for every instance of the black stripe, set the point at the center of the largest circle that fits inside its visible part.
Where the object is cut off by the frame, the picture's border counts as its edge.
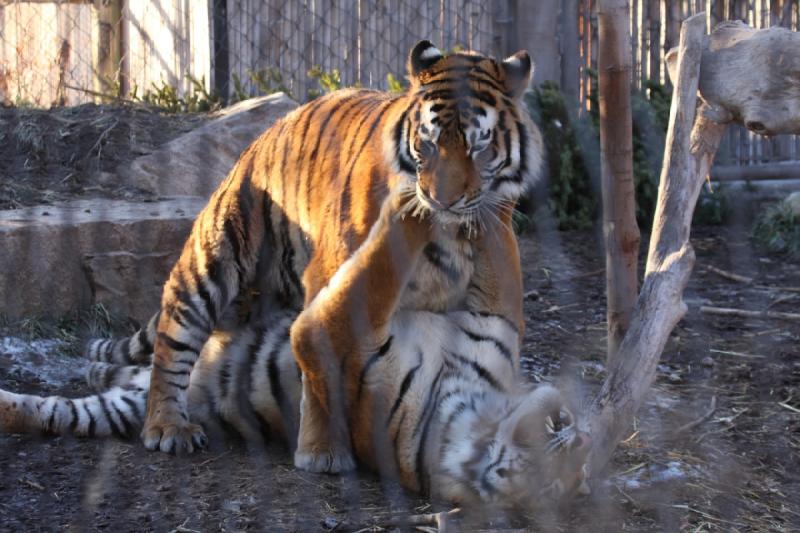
(275, 134)
(134, 408)
(92, 421)
(460, 409)
(309, 114)
(52, 418)
(439, 258)
(523, 142)
(224, 378)
(507, 141)
(126, 352)
(396, 438)
(498, 181)
(233, 236)
(482, 372)
(103, 351)
(470, 78)
(253, 350)
(171, 372)
(428, 400)
(129, 429)
(404, 386)
(439, 94)
(184, 296)
(216, 273)
(273, 372)
(484, 314)
(73, 423)
(177, 385)
(202, 291)
(422, 476)
(111, 375)
(340, 113)
(144, 341)
(351, 161)
(187, 315)
(115, 430)
(288, 252)
(488, 487)
(176, 345)
(371, 361)
(502, 348)
(401, 145)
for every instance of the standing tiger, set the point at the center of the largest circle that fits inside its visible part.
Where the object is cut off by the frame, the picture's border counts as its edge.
(304, 197)
(437, 404)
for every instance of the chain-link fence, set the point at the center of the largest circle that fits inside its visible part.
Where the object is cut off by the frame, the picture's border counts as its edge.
(71, 52)
(67, 52)
(296, 46)
(45, 50)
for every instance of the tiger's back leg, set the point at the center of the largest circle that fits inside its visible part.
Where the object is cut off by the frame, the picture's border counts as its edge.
(218, 261)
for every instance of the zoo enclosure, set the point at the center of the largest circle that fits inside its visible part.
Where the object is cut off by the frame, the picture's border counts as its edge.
(69, 52)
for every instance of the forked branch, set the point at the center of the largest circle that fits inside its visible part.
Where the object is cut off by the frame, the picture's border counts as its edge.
(688, 156)
(741, 74)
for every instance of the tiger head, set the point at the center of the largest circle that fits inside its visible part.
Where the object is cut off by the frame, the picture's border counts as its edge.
(464, 141)
(536, 456)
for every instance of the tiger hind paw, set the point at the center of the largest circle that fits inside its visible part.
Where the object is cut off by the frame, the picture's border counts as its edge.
(330, 461)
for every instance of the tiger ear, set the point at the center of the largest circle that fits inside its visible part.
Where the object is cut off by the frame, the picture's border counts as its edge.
(518, 69)
(423, 56)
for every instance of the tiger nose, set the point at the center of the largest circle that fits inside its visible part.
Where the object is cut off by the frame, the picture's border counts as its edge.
(438, 204)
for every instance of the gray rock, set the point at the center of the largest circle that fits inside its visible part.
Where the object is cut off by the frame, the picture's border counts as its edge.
(196, 162)
(118, 253)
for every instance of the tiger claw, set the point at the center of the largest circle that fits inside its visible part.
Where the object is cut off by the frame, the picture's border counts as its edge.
(174, 438)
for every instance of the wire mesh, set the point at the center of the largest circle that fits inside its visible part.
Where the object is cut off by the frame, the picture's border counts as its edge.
(51, 52)
(44, 50)
(298, 46)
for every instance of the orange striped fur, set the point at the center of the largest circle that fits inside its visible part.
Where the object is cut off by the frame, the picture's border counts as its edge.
(455, 152)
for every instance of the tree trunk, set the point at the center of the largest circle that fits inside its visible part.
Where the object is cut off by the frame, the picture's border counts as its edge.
(655, 40)
(687, 160)
(616, 152)
(537, 27)
(570, 58)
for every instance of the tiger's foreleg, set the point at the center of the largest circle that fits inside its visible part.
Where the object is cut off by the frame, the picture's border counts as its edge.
(496, 285)
(218, 261)
(347, 318)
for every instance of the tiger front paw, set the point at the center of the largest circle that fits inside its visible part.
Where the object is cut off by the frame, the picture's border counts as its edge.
(327, 459)
(173, 438)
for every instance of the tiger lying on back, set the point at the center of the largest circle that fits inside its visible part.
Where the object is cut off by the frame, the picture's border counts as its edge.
(304, 197)
(437, 404)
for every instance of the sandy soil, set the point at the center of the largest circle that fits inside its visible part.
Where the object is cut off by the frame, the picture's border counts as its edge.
(733, 469)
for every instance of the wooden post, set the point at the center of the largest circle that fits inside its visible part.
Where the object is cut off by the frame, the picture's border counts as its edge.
(570, 58)
(219, 15)
(537, 24)
(616, 153)
(688, 157)
(655, 39)
(108, 54)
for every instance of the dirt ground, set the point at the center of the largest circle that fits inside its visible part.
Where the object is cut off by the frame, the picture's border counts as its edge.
(685, 467)
(716, 447)
(55, 154)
